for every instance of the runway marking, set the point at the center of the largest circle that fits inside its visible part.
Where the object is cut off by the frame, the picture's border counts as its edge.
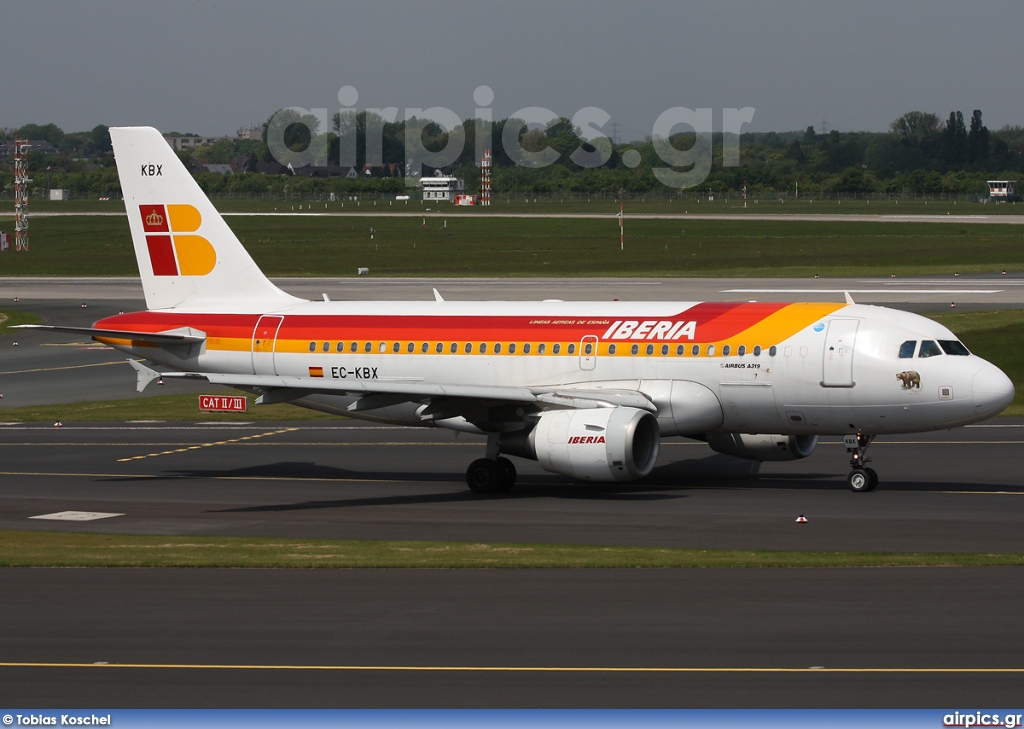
(203, 426)
(58, 369)
(996, 425)
(861, 291)
(183, 477)
(307, 444)
(207, 445)
(507, 669)
(76, 516)
(987, 493)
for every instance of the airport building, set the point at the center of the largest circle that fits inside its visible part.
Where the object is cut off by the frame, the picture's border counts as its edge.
(190, 141)
(441, 187)
(1003, 191)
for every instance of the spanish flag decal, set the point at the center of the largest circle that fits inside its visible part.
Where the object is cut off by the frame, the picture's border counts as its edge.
(316, 371)
(174, 250)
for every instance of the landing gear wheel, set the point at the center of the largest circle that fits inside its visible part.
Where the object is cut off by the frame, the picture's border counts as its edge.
(485, 476)
(508, 473)
(873, 475)
(862, 479)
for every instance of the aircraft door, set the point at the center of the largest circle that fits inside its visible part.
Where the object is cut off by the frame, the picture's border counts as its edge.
(837, 363)
(588, 352)
(264, 340)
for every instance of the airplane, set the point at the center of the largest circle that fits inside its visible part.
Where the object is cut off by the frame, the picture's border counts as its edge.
(587, 389)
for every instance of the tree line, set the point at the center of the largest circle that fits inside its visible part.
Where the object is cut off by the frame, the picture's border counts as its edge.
(919, 154)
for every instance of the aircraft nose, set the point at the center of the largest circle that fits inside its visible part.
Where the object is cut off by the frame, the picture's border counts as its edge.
(993, 391)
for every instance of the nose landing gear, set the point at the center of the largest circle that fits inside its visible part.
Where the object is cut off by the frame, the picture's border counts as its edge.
(860, 478)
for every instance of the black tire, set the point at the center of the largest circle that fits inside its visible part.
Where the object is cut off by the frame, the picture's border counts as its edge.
(859, 480)
(873, 476)
(484, 476)
(508, 473)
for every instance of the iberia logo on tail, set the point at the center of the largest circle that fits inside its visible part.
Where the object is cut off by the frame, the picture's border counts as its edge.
(174, 250)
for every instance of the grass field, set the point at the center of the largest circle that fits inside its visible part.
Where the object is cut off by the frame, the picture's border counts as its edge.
(661, 202)
(161, 407)
(10, 319)
(63, 549)
(464, 245)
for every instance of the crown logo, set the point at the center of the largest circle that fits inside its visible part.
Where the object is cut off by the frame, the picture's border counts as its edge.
(154, 219)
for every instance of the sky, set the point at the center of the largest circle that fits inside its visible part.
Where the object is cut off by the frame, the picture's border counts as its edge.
(213, 66)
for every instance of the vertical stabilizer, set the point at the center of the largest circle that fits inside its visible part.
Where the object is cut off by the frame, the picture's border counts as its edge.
(188, 256)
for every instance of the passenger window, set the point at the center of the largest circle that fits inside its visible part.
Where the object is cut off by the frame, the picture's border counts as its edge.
(497, 348)
(382, 347)
(424, 348)
(483, 348)
(354, 347)
(540, 348)
(588, 348)
(410, 348)
(635, 349)
(512, 348)
(757, 350)
(726, 350)
(695, 350)
(439, 348)
(327, 346)
(341, 346)
(469, 348)
(558, 348)
(368, 347)
(526, 348)
(454, 348)
(742, 350)
(929, 349)
(611, 348)
(711, 350)
(681, 350)
(954, 347)
(907, 349)
(312, 346)
(650, 349)
(664, 349)
(572, 349)
(396, 347)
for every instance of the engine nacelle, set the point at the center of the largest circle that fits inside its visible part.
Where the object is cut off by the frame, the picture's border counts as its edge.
(760, 447)
(595, 444)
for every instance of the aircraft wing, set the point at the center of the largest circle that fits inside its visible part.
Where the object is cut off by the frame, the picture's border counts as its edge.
(277, 388)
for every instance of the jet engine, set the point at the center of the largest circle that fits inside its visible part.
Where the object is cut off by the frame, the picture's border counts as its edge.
(593, 444)
(762, 447)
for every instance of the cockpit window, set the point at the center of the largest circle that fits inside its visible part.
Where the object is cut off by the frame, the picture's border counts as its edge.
(929, 349)
(954, 347)
(907, 349)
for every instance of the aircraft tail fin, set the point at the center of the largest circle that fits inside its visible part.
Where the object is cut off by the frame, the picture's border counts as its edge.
(188, 256)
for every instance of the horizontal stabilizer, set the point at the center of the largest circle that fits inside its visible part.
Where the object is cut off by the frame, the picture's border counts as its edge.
(174, 336)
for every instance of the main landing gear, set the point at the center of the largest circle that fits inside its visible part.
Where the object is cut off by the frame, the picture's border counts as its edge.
(860, 478)
(493, 474)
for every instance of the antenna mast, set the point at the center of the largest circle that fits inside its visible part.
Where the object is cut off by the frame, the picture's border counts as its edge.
(485, 178)
(21, 183)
